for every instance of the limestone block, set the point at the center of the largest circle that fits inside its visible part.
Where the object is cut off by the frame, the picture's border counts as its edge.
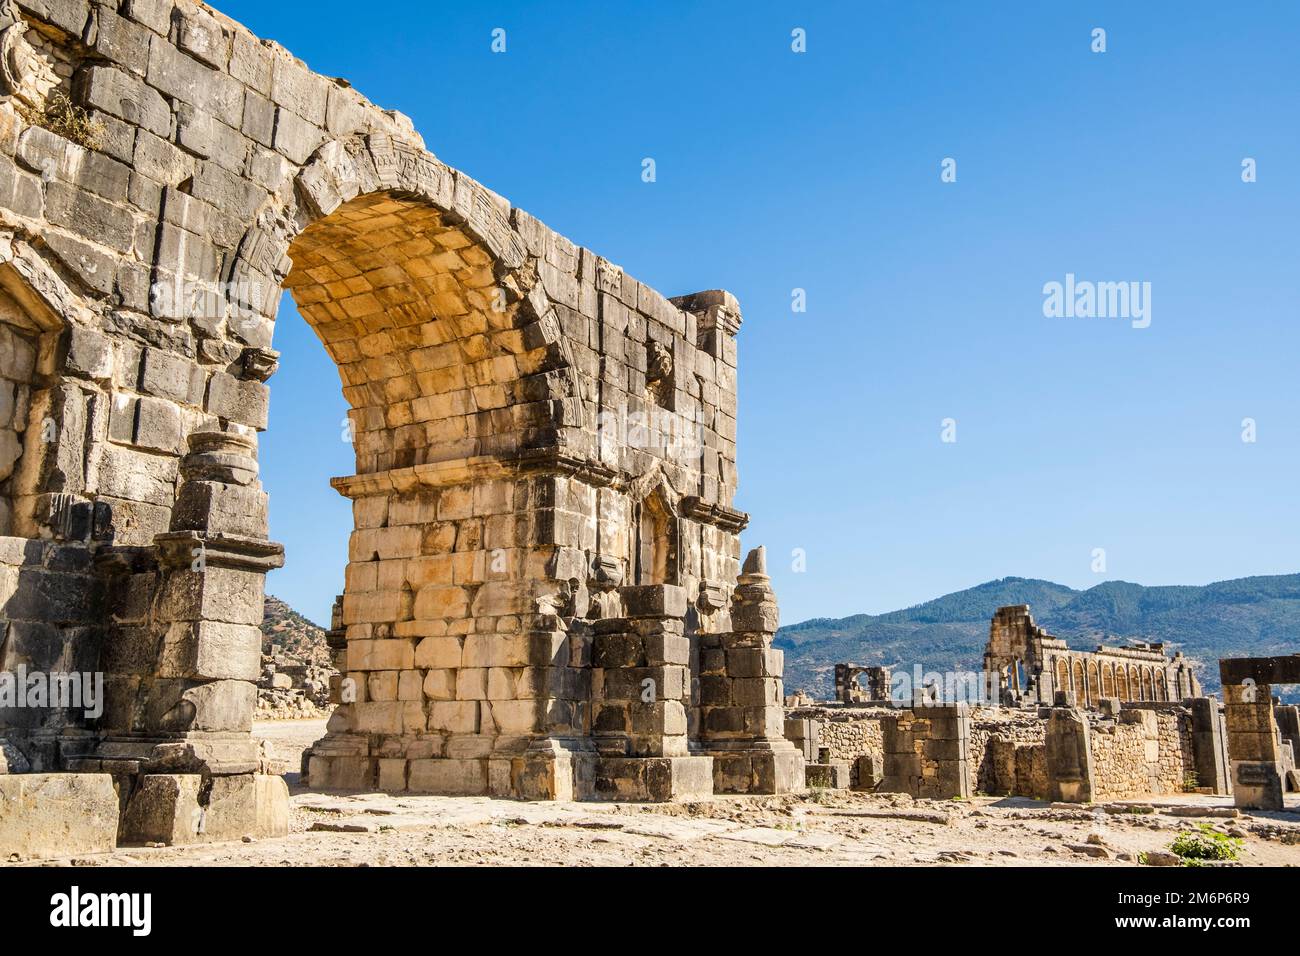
(377, 655)
(453, 716)
(171, 376)
(174, 809)
(228, 595)
(158, 426)
(201, 36)
(238, 400)
(49, 815)
(438, 653)
(341, 772)
(217, 507)
(656, 779)
(440, 684)
(164, 808)
(458, 777)
(183, 705)
(180, 76)
(246, 805)
(127, 98)
(90, 354)
(211, 650)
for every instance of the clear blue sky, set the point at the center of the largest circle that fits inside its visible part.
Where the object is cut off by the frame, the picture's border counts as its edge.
(821, 171)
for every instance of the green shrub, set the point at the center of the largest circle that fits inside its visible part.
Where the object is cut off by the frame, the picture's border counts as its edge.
(1194, 848)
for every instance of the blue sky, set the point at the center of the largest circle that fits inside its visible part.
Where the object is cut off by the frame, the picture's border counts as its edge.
(821, 171)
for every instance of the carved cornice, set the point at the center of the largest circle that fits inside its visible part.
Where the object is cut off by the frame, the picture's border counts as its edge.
(720, 516)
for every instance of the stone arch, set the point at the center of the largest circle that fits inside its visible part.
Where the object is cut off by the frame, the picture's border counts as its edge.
(475, 348)
(1107, 680)
(1148, 691)
(1062, 674)
(1094, 683)
(459, 383)
(1121, 683)
(1135, 682)
(1079, 683)
(1161, 685)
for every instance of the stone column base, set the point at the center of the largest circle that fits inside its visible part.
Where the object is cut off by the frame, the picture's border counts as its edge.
(653, 779)
(169, 808)
(758, 771)
(553, 776)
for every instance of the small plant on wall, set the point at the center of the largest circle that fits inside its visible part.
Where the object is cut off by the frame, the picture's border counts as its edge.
(62, 117)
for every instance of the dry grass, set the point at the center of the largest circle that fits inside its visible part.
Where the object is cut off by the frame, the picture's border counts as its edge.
(64, 118)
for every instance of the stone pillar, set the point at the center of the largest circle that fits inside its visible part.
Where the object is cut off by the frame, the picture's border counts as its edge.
(639, 686)
(927, 752)
(880, 684)
(198, 764)
(803, 734)
(742, 720)
(1069, 756)
(208, 609)
(1254, 746)
(1207, 744)
(1288, 726)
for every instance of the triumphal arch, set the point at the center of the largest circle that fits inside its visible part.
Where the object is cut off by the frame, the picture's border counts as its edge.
(544, 597)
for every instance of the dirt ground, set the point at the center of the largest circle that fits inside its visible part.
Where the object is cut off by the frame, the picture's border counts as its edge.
(822, 828)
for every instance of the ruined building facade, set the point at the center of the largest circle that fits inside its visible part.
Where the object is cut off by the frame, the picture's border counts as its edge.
(1033, 666)
(544, 596)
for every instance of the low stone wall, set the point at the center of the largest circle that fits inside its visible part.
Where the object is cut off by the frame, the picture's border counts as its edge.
(1146, 748)
(996, 735)
(1143, 751)
(849, 733)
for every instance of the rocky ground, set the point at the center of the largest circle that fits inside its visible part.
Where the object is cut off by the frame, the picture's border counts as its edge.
(826, 828)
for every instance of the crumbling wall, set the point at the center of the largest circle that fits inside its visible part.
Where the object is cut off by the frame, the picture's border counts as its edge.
(927, 751)
(1144, 751)
(847, 733)
(996, 734)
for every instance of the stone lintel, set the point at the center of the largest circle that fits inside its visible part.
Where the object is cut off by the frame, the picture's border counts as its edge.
(1261, 670)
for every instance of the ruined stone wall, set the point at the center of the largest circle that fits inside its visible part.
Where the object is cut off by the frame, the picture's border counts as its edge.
(848, 733)
(1033, 666)
(992, 767)
(1145, 751)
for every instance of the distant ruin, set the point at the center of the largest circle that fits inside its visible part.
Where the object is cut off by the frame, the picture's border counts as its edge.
(1061, 725)
(1032, 666)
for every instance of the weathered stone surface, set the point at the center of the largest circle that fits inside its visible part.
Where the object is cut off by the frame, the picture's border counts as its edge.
(545, 447)
(47, 815)
(177, 809)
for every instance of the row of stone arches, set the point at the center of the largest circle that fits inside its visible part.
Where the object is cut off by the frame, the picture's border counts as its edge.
(1087, 681)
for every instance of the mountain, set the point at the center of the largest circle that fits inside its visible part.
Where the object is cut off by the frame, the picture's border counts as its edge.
(288, 632)
(1246, 617)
